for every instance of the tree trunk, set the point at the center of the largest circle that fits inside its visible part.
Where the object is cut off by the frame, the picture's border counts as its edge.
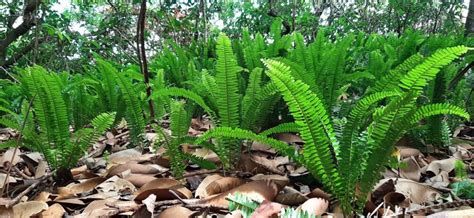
(470, 20)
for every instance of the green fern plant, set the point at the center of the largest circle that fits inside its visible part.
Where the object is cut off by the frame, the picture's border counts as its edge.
(133, 114)
(180, 121)
(48, 130)
(367, 138)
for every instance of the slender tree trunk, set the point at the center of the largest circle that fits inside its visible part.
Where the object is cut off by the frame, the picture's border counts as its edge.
(470, 20)
(142, 55)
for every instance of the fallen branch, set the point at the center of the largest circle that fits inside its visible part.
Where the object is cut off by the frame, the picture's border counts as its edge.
(27, 190)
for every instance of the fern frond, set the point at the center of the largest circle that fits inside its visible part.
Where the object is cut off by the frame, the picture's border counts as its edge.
(390, 81)
(134, 112)
(419, 76)
(436, 109)
(314, 124)
(245, 204)
(253, 89)
(173, 91)
(236, 133)
(180, 120)
(281, 128)
(201, 162)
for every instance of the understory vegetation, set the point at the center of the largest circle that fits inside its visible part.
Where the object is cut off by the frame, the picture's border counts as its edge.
(352, 92)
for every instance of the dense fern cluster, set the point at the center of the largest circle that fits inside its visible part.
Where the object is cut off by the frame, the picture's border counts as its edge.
(350, 99)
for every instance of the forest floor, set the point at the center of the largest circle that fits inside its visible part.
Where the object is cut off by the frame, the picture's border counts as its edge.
(114, 180)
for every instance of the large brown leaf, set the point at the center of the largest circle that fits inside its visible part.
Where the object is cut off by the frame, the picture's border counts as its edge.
(175, 212)
(215, 184)
(160, 187)
(28, 209)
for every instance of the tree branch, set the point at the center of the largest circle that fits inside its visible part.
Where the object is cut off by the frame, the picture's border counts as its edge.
(21, 53)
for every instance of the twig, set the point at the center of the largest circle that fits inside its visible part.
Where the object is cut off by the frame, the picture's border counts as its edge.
(18, 141)
(27, 190)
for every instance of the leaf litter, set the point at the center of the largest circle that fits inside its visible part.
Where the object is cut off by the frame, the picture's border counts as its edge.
(115, 180)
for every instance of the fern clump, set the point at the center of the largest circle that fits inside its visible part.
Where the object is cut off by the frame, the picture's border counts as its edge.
(48, 130)
(355, 159)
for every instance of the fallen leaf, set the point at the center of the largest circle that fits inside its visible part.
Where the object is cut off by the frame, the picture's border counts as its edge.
(259, 190)
(135, 168)
(86, 185)
(454, 214)
(99, 208)
(201, 189)
(115, 184)
(439, 181)
(406, 152)
(394, 199)
(417, 192)
(435, 167)
(55, 210)
(411, 170)
(41, 169)
(175, 212)
(318, 193)
(267, 209)
(220, 185)
(28, 209)
(3, 177)
(149, 202)
(8, 155)
(43, 196)
(125, 156)
(160, 187)
(290, 196)
(139, 179)
(315, 206)
(282, 181)
(289, 138)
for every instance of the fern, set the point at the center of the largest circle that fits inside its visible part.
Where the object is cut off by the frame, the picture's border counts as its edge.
(134, 112)
(314, 124)
(284, 127)
(227, 95)
(246, 205)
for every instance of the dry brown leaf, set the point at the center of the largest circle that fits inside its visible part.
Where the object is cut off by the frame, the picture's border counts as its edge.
(8, 155)
(99, 208)
(257, 146)
(175, 212)
(72, 201)
(139, 179)
(290, 196)
(417, 192)
(135, 168)
(3, 177)
(267, 209)
(41, 169)
(439, 181)
(86, 185)
(6, 212)
(149, 202)
(315, 206)
(258, 190)
(55, 210)
(282, 181)
(247, 165)
(394, 199)
(267, 164)
(221, 185)
(28, 209)
(412, 170)
(160, 187)
(116, 184)
(201, 189)
(125, 156)
(43, 196)
(318, 193)
(435, 167)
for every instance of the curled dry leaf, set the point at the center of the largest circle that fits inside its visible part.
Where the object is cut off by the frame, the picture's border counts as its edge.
(417, 192)
(149, 202)
(393, 199)
(28, 209)
(221, 185)
(439, 181)
(267, 209)
(267, 164)
(257, 146)
(55, 210)
(116, 184)
(175, 212)
(412, 170)
(77, 188)
(3, 177)
(453, 214)
(160, 187)
(201, 189)
(315, 206)
(8, 155)
(289, 138)
(135, 168)
(318, 193)
(139, 179)
(43, 196)
(259, 190)
(290, 196)
(435, 167)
